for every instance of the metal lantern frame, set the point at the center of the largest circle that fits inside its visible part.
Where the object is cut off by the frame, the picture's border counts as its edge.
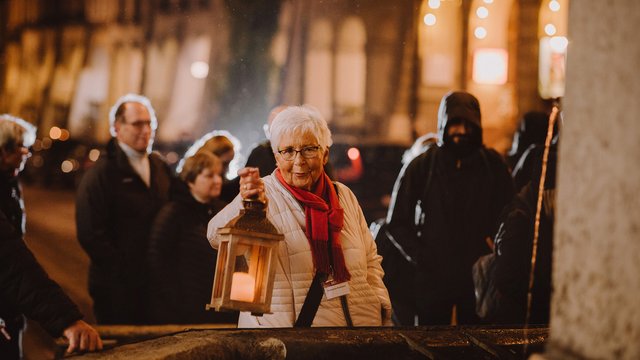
(248, 244)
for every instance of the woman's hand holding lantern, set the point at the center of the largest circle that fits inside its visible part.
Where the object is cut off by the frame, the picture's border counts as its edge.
(251, 185)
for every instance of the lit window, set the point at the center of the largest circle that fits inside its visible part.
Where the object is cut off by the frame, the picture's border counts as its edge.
(490, 66)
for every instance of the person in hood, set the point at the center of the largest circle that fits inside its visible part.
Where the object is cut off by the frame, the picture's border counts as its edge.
(181, 261)
(445, 208)
(116, 202)
(532, 130)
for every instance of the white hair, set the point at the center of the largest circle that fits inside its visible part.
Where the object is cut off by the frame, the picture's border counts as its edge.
(131, 98)
(297, 120)
(16, 129)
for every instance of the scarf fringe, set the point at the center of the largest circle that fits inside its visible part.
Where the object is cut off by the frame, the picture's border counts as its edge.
(340, 271)
(320, 257)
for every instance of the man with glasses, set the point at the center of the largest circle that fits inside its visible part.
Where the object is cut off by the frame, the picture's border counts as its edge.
(25, 288)
(116, 203)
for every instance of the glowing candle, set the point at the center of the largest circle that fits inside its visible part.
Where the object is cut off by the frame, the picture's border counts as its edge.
(242, 287)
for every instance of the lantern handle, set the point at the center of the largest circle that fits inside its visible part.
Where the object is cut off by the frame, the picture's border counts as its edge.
(254, 206)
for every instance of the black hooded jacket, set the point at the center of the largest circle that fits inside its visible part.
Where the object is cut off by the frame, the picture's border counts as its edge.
(182, 263)
(445, 206)
(514, 244)
(114, 213)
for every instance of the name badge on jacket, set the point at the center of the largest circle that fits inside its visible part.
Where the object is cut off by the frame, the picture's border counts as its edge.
(334, 289)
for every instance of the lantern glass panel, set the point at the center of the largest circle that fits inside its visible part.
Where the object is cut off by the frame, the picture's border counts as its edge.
(250, 273)
(221, 265)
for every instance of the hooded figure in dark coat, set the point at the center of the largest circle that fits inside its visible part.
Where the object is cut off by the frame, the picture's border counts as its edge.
(445, 209)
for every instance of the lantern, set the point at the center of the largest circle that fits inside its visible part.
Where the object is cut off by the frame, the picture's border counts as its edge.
(246, 264)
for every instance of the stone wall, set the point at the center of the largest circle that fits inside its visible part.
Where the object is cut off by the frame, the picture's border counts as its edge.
(369, 343)
(595, 312)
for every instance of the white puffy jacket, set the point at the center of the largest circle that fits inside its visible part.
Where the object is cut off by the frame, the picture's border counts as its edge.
(368, 300)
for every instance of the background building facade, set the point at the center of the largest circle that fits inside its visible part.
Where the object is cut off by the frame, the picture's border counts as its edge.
(375, 69)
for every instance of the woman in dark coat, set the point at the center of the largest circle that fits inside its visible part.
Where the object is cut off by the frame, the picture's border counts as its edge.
(182, 263)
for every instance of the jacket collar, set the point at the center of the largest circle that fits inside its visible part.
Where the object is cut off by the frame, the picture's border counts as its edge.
(115, 152)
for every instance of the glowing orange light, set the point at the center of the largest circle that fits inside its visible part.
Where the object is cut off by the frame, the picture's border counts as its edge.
(66, 166)
(55, 133)
(64, 135)
(94, 154)
(353, 153)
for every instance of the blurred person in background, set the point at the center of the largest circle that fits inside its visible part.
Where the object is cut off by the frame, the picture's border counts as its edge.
(225, 146)
(325, 233)
(445, 209)
(116, 203)
(514, 247)
(181, 260)
(25, 288)
(261, 156)
(532, 129)
(399, 268)
(529, 162)
(16, 137)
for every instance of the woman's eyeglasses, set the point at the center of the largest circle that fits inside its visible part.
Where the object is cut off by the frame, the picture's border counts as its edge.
(307, 152)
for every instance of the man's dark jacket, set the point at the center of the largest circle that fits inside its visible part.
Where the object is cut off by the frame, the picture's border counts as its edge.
(444, 228)
(11, 203)
(182, 263)
(114, 213)
(25, 289)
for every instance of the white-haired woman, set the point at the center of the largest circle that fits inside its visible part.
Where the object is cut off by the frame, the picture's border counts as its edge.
(326, 235)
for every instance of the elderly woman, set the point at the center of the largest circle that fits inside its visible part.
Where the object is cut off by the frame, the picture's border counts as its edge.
(326, 239)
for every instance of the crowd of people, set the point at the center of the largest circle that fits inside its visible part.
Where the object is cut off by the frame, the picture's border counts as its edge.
(151, 234)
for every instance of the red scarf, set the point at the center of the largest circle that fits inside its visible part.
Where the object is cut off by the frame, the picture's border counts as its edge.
(325, 218)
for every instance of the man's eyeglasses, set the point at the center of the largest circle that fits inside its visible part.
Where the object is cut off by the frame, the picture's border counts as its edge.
(139, 124)
(307, 152)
